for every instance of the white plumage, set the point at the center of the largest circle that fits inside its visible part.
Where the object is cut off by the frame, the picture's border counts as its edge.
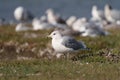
(112, 15)
(22, 27)
(70, 21)
(89, 28)
(54, 18)
(79, 24)
(22, 14)
(40, 24)
(62, 44)
(97, 14)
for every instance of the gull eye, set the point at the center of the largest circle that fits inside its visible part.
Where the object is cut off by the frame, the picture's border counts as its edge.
(54, 33)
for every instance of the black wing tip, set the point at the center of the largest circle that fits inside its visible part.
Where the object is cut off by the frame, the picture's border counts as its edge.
(88, 49)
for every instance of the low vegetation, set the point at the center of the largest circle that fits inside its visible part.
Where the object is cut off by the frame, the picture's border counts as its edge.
(29, 56)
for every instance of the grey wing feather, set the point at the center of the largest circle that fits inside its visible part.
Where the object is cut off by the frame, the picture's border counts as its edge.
(82, 45)
(72, 43)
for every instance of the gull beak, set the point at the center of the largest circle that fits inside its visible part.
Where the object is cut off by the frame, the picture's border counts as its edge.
(49, 36)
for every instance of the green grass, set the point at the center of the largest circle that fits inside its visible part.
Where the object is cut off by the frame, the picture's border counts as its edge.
(94, 64)
(59, 69)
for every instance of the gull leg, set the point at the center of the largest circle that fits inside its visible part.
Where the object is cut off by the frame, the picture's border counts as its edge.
(67, 55)
(58, 55)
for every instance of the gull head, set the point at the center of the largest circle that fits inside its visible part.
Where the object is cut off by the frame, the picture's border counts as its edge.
(108, 7)
(49, 11)
(94, 7)
(55, 34)
(18, 12)
(19, 9)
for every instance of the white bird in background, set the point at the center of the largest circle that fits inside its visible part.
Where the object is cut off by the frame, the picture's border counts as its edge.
(79, 24)
(22, 27)
(112, 15)
(21, 14)
(71, 20)
(94, 29)
(54, 18)
(63, 44)
(41, 24)
(97, 15)
(89, 28)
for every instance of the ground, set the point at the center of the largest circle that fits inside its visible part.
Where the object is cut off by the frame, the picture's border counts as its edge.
(29, 56)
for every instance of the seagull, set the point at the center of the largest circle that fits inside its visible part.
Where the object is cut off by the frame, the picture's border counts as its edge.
(22, 27)
(97, 14)
(94, 29)
(41, 24)
(89, 28)
(21, 14)
(54, 18)
(65, 44)
(112, 15)
(71, 20)
(79, 24)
